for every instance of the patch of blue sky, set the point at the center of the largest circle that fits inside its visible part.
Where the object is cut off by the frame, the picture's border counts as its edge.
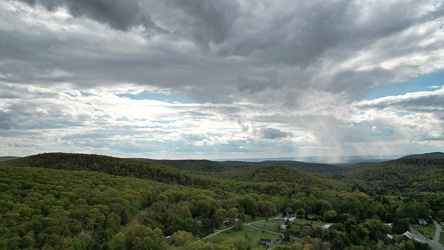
(158, 96)
(123, 119)
(85, 94)
(70, 94)
(427, 82)
(164, 121)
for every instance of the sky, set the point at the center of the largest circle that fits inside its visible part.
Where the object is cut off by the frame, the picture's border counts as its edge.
(199, 79)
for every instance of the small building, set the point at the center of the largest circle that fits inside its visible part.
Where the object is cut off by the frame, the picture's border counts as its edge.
(422, 222)
(409, 235)
(282, 225)
(326, 227)
(290, 218)
(265, 241)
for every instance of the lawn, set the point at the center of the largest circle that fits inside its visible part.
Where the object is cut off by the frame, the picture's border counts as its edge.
(296, 225)
(302, 222)
(250, 219)
(272, 224)
(252, 234)
(426, 230)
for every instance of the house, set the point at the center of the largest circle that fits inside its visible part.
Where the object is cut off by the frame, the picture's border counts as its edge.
(411, 236)
(408, 235)
(265, 241)
(282, 225)
(422, 222)
(326, 227)
(292, 218)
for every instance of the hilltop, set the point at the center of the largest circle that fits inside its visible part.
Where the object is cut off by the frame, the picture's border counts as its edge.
(216, 166)
(433, 155)
(407, 174)
(191, 174)
(8, 158)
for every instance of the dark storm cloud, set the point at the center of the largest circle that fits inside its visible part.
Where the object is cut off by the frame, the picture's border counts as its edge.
(296, 42)
(121, 15)
(209, 21)
(254, 85)
(273, 133)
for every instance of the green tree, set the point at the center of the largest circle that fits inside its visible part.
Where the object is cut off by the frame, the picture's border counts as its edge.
(181, 238)
(118, 241)
(220, 216)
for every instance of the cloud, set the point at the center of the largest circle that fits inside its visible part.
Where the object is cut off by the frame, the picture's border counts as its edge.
(209, 21)
(273, 133)
(242, 77)
(417, 101)
(121, 15)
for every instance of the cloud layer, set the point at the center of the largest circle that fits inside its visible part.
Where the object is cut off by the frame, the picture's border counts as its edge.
(219, 79)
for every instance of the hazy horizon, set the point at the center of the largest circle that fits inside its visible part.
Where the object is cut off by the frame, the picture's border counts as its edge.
(308, 159)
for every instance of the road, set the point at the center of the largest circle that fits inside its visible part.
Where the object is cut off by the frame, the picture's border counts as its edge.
(432, 243)
(438, 231)
(250, 224)
(216, 232)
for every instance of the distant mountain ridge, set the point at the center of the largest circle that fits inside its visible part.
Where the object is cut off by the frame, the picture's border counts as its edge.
(433, 155)
(8, 158)
(189, 175)
(413, 173)
(216, 166)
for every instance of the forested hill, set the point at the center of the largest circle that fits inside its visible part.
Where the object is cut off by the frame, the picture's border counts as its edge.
(147, 170)
(192, 165)
(113, 166)
(402, 175)
(8, 158)
(215, 166)
(316, 167)
(434, 155)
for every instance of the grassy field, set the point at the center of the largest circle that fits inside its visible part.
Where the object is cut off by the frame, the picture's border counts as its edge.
(271, 224)
(296, 225)
(252, 234)
(427, 230)
(249, 219)
(302, 222)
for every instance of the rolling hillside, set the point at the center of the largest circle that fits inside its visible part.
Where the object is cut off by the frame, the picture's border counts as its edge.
(314, 167)
(434, 155)
(402, 175)
(230, 178)
(215, 166)
(8, 158)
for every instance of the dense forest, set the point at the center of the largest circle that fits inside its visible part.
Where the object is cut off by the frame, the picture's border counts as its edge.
(80, 201)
